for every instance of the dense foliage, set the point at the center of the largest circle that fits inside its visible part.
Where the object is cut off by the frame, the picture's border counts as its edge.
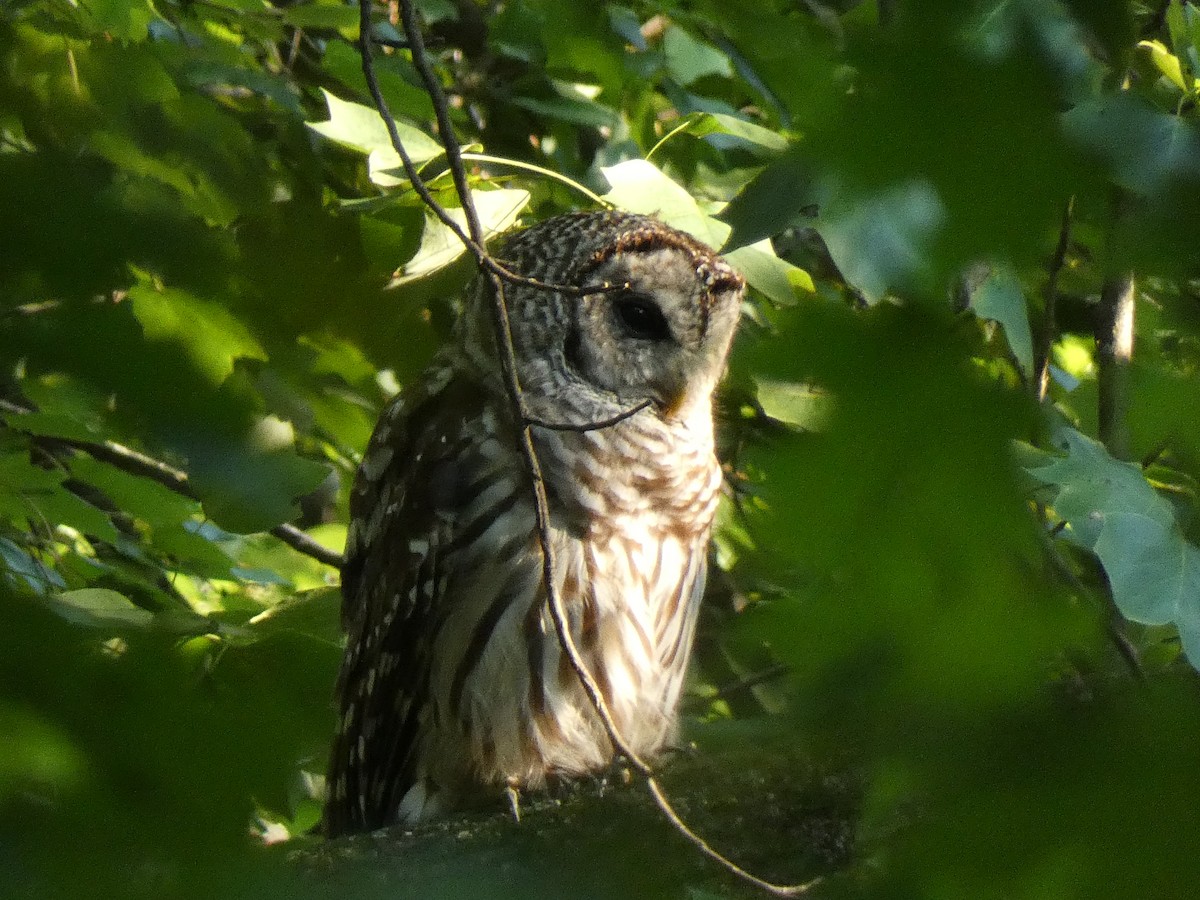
(981, 600)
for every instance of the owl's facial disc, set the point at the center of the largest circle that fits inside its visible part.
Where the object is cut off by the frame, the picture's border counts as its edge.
(663, 336)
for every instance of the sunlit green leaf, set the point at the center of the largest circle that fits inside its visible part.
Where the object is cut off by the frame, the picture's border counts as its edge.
(688, 59)
(362, 128)
(1167, 63)
(639, 186)
(100, 608)
(322, 15)
(207, 332)
(497, 211)
(794, 404)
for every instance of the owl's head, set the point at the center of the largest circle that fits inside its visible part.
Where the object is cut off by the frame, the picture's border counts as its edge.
(654, 321)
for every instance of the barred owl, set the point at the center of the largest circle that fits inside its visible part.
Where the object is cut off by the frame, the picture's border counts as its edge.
(454, 684)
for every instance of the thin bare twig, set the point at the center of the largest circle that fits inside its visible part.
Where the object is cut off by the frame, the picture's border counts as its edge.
(137, 463)
(1049, 329)
(302, 543)
(754, 679)
(589, 426)
(1115, 623)
(473, 240)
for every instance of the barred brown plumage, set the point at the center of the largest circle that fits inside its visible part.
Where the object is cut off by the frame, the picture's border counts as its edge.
(453, 682)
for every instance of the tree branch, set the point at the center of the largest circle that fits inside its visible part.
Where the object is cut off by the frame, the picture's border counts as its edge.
(473, 240)
(137, 463)
(1115, 623)
(1114, 352)
(754, 679)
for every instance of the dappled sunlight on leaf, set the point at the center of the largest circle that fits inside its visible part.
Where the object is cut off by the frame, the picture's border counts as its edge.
(497, 210)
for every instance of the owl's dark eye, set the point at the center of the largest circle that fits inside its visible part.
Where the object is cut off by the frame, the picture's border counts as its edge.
(641, 318)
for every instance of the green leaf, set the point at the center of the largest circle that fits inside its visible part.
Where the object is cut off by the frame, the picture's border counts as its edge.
(748, 133)
(1154, 573)
(883, 241)
(33, 572)
(36, 751)
(315, 614)
(569, 107)
(19, 476)
(322, 15)
(1144, 150)
(639, 186)
(190, 551)
(774, 278)
(1093, 485)
(1112, 510)
(1167, 63)
(125, 20)
(333, 355)
(246, 489)
(1001, 299)
(140, 497)
(726, 131)
(29, 493)
(497, 210)
(689, 60)
(799, 405)
(100, 608)
(774, 200)
(62, 507)
(577, 41)
(54, 425)
(209, 73)
(362, 128)
(208, 333)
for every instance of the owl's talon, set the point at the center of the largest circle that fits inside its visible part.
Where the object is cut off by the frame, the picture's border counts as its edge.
(514, 801)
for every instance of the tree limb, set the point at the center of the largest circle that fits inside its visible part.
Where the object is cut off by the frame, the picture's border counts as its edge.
(137, 463)
(1114, 352)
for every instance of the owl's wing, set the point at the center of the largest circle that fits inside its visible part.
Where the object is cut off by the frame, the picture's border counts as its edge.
(402, 522)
